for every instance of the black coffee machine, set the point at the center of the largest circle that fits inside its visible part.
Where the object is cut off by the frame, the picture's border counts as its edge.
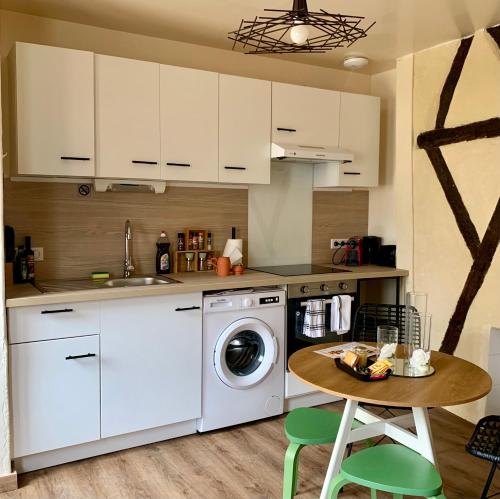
(370, 249)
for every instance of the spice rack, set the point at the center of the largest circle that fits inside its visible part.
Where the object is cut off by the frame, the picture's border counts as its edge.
(195, 243)
(181, 262)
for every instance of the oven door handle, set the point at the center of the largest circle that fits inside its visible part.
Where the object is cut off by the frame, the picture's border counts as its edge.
(275, 360)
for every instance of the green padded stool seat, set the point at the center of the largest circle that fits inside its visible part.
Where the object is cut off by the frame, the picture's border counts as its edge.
(390, 468)
(307, 426)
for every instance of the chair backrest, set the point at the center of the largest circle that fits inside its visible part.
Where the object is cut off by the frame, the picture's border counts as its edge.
(485, 441)
(370, 315)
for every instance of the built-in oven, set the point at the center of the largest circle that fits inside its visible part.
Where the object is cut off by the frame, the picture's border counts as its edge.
(298, 294)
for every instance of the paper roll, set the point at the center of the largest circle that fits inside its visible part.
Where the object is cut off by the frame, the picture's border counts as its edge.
(234, 250)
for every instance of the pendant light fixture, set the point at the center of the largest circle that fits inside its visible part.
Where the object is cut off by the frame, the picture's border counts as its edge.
(298, 30)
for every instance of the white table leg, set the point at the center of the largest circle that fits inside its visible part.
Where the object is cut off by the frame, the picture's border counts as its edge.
(424, 434)
(340, 444)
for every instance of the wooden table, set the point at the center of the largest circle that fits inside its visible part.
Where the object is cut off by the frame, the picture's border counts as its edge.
(455, 382)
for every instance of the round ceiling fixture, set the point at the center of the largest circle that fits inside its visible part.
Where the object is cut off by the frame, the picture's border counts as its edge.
(355, 62)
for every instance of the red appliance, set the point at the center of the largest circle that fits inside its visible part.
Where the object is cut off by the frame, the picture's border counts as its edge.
(353, 252)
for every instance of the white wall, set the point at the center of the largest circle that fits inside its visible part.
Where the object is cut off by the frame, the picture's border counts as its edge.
(4, 400)
(381, 214)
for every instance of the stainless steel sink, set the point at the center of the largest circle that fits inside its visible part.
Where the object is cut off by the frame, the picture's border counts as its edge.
(137, 281)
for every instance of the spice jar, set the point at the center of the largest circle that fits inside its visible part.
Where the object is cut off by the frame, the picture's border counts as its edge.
(201, 241)
(209, 241)
(195, 241)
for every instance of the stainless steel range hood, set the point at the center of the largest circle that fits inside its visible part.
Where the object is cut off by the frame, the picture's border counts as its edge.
(309, 154)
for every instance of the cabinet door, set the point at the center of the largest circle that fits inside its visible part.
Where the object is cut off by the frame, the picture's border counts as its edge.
(244, 130)
(360, 133)
(55, 398)
(54, 110)
(127, 107)
(151, 362)
(305, 116)
(189, 124)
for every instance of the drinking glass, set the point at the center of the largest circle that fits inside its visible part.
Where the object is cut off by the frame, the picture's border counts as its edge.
(189, 262)
(419, 351)
(416, 306)
(387, 341)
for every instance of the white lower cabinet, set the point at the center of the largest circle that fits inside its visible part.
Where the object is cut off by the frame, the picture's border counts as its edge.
(150, 362)
(55, 393)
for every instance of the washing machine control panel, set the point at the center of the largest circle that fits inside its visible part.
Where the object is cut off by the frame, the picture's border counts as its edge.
(267, 300)
(247, 302)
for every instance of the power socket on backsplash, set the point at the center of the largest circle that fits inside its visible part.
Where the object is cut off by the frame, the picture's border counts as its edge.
(38, 254)
(337, 243)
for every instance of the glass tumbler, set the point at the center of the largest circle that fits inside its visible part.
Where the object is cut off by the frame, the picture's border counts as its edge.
(420, 348)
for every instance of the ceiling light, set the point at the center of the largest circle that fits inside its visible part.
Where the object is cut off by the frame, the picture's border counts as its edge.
(307, 31)
(355, 62)
(299, 34)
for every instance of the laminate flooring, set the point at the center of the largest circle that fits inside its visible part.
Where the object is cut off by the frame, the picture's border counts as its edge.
(240, 462)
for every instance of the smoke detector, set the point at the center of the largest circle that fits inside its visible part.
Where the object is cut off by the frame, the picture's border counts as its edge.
(355, 62)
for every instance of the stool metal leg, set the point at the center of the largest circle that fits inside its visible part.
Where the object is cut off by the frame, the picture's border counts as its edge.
(487, 485)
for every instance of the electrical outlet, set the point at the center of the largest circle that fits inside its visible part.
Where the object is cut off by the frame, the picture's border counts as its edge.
(38, 254)
(337, 243)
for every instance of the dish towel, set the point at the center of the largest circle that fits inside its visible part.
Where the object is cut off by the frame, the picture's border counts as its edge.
(314, 319)
(340, 315)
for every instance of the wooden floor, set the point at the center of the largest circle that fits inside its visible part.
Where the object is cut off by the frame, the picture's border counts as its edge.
(241, 462)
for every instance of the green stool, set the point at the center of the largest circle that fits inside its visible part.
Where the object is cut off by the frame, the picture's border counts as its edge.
(390, 468)
(306, 426)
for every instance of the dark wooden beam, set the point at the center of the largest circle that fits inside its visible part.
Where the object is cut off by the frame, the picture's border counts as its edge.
(450, 189)
(494, 32)
(473, 284)
(452, 80)
(444, 136)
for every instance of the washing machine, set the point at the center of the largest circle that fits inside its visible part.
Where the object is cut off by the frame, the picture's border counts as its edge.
(243, 356)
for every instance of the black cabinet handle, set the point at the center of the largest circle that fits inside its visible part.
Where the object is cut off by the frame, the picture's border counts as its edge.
(186, 165)
(59, 311)
(75, 158)
(280, 129)
(352, 173)
(235, 168)
(137, 162)
(183, 309)
(71, 357)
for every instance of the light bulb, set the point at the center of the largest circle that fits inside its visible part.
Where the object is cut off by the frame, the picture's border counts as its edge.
(299, 34)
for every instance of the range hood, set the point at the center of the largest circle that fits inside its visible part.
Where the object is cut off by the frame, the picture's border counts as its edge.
(309, 154)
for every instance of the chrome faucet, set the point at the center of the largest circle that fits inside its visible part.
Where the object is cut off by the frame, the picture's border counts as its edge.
(128, 268)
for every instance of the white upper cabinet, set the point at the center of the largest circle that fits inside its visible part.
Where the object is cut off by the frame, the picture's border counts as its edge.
(127, 107)
(360, 134)
(244, 130)
(305, 116)
(53, 111)
(189, 124)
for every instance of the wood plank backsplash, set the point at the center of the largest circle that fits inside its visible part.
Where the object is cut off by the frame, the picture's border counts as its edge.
(80, 234)
(337, 215)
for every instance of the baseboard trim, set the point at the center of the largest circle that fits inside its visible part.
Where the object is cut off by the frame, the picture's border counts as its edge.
(103, 446)
(8, 482)
(309, 400)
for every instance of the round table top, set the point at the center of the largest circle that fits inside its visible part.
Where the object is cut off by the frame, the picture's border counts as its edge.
(456, 381)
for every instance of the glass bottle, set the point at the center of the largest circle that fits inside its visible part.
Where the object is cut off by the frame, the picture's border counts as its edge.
(181, 244)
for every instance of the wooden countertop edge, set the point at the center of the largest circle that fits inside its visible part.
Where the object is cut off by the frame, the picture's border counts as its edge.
(28, 295)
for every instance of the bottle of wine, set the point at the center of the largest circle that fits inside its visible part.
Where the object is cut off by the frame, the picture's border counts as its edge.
(29, 255)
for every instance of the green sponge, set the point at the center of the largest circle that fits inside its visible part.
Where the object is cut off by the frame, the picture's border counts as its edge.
(100, 275)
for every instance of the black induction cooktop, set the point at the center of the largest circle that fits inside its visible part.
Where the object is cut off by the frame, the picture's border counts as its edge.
(301, 269)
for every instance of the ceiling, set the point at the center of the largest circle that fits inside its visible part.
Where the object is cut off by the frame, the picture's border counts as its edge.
(402, 26)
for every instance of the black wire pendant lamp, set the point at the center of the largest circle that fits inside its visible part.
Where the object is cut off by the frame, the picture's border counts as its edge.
(298, 30)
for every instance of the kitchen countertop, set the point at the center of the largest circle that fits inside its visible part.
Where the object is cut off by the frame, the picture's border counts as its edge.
(23, 295)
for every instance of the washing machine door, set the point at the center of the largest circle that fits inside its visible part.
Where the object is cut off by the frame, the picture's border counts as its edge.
(245, 353)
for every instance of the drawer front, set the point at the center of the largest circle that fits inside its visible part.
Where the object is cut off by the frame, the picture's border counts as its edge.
(48, 322)
(55, 394)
